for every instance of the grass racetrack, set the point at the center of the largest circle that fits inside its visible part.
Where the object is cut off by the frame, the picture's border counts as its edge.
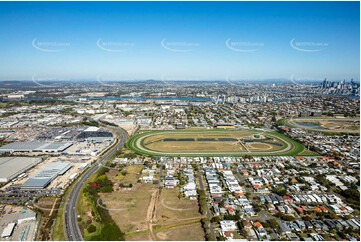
(213, 143)
(324, 124)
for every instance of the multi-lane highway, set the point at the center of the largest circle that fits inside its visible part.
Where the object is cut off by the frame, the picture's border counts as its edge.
(71, 228)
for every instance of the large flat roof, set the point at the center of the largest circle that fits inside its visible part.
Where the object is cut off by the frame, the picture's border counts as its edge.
(57, 146)
(8, 230)
(35, 146)
(42, 178)
(10, 167)
(22, 146)
(91, 129)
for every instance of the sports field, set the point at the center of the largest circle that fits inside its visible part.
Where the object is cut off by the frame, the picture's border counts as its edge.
(325, 124)
(213, 143)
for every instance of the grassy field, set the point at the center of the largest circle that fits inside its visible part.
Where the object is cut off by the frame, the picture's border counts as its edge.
(144, 212)
(190, 232)
(46, 204)
(128, 207)
(196, 146)
(171, 208)
(94, 213)
(324, 124)
(127, 175)
(157, 143)
(178, 218)
(141, 236)
(219, 143)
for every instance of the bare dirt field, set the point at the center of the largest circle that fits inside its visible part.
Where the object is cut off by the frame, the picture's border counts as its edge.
(171, 208)
(176, 217)
(46, 205)
(146, 212)
(193, 232)
(326, 124)
(129, 208)
(139, 237)
(127, 175)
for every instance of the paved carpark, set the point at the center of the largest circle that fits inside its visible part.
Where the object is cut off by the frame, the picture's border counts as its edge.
(11, 217)
(87, 145)
(16, 196)
(19, 228)
(11, 214)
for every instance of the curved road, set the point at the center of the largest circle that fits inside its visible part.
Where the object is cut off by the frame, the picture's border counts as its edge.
(71, 229)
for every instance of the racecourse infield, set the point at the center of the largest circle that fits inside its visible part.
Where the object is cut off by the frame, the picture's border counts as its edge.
(324, 124)
(213, 142)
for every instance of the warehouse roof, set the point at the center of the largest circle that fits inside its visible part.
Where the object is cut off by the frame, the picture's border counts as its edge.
(91, 129)
(45, 176)
(36, 183)
(58, 146)
(35, 146)
(22, 146)
(8, 230)
(11, 167)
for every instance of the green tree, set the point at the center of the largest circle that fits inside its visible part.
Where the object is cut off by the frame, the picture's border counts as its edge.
(273, 223)
(91, 228)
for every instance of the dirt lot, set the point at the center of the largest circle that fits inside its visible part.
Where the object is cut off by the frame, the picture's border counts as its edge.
(177, 219)
(127, 175)
(171, 208)
(339, 125)
(326, 124)
(139, 237)
(144, 212)
(129, 208)
(46, 205)
(193, 232)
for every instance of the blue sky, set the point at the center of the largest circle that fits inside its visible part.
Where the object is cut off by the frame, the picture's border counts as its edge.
(179, 40)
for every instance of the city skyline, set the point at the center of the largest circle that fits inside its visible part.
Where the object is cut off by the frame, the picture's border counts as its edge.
(180, 41)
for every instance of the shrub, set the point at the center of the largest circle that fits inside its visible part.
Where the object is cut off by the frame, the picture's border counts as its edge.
(91, 228)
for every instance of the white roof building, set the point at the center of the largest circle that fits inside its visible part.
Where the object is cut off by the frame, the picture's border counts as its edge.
(8, 230)
(91, 129)
(227, 226)
(26, 215)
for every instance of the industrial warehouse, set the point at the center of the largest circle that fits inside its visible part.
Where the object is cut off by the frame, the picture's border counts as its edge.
(12, 167)
(35, 147)
(76, 145)
(43, 178)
